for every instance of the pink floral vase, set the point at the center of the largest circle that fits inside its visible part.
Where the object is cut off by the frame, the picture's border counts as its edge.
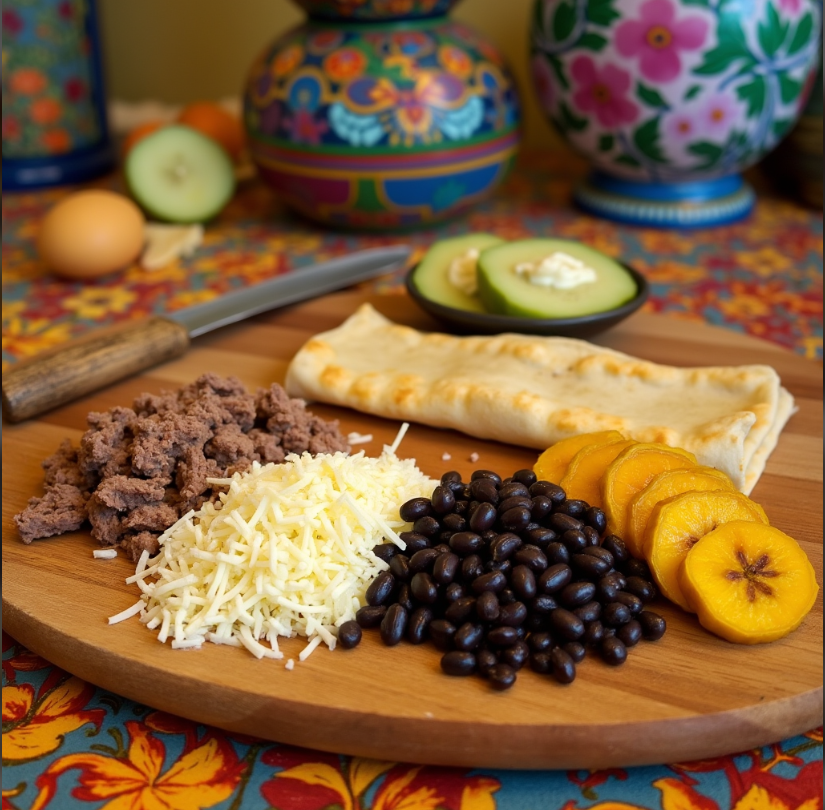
(671, 99)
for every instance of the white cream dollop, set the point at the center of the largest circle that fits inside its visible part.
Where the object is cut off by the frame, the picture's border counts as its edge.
(560, 270)
(462, 272)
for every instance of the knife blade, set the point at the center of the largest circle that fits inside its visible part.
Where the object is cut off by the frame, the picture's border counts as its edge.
(106, 356)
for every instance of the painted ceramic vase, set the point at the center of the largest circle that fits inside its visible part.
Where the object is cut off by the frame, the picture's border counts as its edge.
(671, 99)
(382, 126)
(55, 130)
(375, 9)
(798, 163)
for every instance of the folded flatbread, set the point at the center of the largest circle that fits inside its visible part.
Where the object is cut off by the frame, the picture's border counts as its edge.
(535, 391)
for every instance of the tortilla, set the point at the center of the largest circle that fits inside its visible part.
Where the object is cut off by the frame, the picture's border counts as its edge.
(535, 391)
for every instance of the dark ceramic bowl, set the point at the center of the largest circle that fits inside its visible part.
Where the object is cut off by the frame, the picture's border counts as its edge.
(481, 323)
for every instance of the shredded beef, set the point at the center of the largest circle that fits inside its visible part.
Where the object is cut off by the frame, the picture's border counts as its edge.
(62, 509)
(193, 470)
(228, 445)
(134, 544)
(267, 446)
(62, 468)
(124, 494)
(298, 430)
(155, 517)
(106, 445)
(138, 469)
(107, 525)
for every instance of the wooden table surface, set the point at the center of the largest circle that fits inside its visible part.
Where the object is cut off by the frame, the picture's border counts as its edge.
(688, 696)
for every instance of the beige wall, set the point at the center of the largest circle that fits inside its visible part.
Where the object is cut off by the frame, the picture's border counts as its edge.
(182, 50)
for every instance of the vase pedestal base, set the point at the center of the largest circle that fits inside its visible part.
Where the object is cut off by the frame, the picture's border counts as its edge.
(667, 205)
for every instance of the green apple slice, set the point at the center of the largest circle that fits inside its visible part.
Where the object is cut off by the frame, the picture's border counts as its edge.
(179, 175)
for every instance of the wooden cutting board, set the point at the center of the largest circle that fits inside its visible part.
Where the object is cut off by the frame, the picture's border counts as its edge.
(688, 696)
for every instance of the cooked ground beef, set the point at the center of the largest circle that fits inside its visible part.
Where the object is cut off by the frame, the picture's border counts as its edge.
(138, 469)
(62, 509)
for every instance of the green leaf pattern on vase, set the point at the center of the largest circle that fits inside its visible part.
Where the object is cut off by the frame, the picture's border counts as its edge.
(674, 90)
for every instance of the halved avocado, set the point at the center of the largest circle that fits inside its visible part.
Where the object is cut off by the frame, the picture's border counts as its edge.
(505, 290)
(432, 276)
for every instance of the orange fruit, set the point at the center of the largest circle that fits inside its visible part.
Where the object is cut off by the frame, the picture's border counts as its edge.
(214, 121)
(139, 133)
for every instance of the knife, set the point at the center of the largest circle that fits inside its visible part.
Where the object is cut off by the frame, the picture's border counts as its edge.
(106, 356)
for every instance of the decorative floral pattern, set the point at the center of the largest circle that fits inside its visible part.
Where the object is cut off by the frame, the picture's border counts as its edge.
(328, 781)
(48, 102)
(35, 725)
(603, 92)
(345, 65)
(376, 9)
(380, 88)
(132, 775)
(657, 38)
(718, 276)
(713, 116)
(715, 83)
(329, 110)
(124, 756)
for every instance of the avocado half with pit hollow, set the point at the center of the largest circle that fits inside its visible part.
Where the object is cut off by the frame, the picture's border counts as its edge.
(447, 274)
(551, 278)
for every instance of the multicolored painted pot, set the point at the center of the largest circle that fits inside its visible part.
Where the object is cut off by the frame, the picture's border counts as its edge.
(54, 103)
(375, 9)
(382, 126)
(671, 99)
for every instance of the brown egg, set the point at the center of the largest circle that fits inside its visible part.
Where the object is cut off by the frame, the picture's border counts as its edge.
(90, 234)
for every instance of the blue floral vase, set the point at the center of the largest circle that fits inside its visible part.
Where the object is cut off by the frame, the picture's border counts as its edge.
(377, 123)
(54, 103)
(671, 100)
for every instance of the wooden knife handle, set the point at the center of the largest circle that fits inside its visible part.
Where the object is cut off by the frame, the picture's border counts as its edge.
(106, 356)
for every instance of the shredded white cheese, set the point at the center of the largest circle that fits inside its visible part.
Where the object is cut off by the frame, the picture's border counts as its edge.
(290, 665)
(474, 457)
(287, 552)
(104, 553)
(446, 457)
(359, 438)
(126, 614)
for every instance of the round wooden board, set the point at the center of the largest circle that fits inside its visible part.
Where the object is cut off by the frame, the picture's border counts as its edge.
(688, 696)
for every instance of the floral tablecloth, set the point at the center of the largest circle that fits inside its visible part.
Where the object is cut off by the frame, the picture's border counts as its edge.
(763, 277)
(67, 744)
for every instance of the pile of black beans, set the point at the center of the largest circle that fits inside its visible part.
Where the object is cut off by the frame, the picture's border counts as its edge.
(499, 574)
